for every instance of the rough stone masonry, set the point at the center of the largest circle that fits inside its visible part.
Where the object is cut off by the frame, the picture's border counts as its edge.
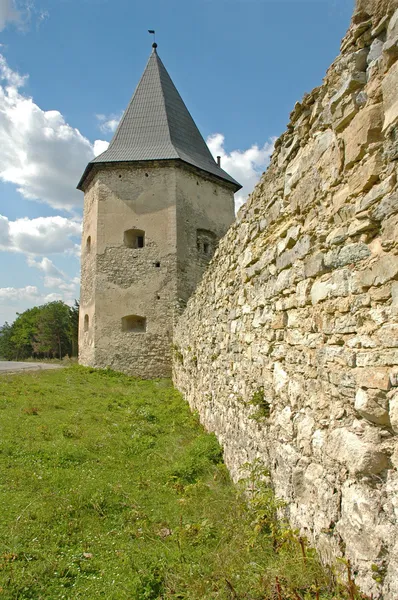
(296, 320)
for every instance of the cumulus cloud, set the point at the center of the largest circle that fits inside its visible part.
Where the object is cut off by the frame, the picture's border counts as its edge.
(246, 166)
(42, 235)
(60, 283)
(30, 292)
(100, 146)
(55, 286)
(108, 124)
(13, 300)
(39, 152)
(46, 265)
(8, 13)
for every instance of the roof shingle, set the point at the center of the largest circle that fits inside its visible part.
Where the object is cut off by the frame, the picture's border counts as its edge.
(157, 126)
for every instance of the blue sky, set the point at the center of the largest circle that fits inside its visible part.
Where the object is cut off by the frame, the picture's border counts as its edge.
(68, 69)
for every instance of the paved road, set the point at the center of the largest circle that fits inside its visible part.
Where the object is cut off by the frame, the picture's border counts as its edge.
(7, 366)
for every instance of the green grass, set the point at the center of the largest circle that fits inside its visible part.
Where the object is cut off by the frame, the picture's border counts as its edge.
(111, 489)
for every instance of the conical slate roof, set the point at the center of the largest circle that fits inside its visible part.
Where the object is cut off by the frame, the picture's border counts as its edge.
(157, 126)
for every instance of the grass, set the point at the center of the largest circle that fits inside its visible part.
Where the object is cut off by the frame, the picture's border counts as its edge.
(110, 488)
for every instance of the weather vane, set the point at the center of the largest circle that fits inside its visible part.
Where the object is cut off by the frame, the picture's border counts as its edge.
(152, 32)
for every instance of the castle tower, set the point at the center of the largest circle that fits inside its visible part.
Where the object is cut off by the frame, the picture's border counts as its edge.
(155, 205)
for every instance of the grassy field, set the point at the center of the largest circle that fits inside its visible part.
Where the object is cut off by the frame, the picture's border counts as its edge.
(111, 489)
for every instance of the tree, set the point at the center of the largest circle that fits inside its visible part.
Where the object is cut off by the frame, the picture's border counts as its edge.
(44, 331)
(23, 333)
(6, 347)
(52, 337)
(74, 327)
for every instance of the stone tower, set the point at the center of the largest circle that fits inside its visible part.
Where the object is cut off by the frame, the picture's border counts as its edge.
(155, 205)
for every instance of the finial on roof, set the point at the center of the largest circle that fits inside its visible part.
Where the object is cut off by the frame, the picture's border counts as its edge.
(152, 32)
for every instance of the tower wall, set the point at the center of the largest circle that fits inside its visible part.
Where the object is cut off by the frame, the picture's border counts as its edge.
(131, 282)
(88, 275)
(180, 214)
(205, 211)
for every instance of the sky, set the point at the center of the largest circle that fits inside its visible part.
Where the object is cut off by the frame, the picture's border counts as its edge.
(67, 71)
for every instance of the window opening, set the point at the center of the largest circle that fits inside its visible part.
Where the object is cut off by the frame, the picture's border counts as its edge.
(134, 324)
(86, 322)
(206, 243)
(134, 238)
(88, 244)
(157, 264)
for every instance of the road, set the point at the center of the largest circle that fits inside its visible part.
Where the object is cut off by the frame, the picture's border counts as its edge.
(7, 366)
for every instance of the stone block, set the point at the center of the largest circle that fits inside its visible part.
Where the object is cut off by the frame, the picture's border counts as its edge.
(353, 82)
(367, 405)
(339, 197)
(377, 358)
(376, 50)
(340, 284)
(393, 411)
(314, 265)
(388, 335)
(365, 175)
(307, 157)
(390, 96)
(387, 207)
(348, 254)
(287, 258)
(359, 456)
(337, 236)
(385, 269)
(359, 525)
(394, 295)
(376, 193)
(281, 378)
(279, 321)
(364, 129)
(375, 378)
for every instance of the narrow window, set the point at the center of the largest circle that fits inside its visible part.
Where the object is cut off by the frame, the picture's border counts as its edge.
(206, 243)
(86, 322)
(157, 264)
(134, 238)
(88, 244)
(134, 323)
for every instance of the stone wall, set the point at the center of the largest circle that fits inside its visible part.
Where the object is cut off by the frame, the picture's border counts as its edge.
(289, 347)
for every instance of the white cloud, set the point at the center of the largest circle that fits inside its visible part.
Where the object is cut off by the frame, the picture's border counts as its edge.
(246, 166)
(43, 235)
(62, 287)
(30, 292)
(16, 300)
(100, 146)
(8, 13)
(46, 265)
(108, 124)
(39, 152)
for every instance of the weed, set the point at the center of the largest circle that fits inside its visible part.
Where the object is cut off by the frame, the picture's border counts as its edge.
(178, 354)
(263, 408)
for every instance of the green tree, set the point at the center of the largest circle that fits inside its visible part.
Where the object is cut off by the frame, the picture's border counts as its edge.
(6, 346)
(74, 327)
(52, 336)
(23, 333)
(44, 331)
